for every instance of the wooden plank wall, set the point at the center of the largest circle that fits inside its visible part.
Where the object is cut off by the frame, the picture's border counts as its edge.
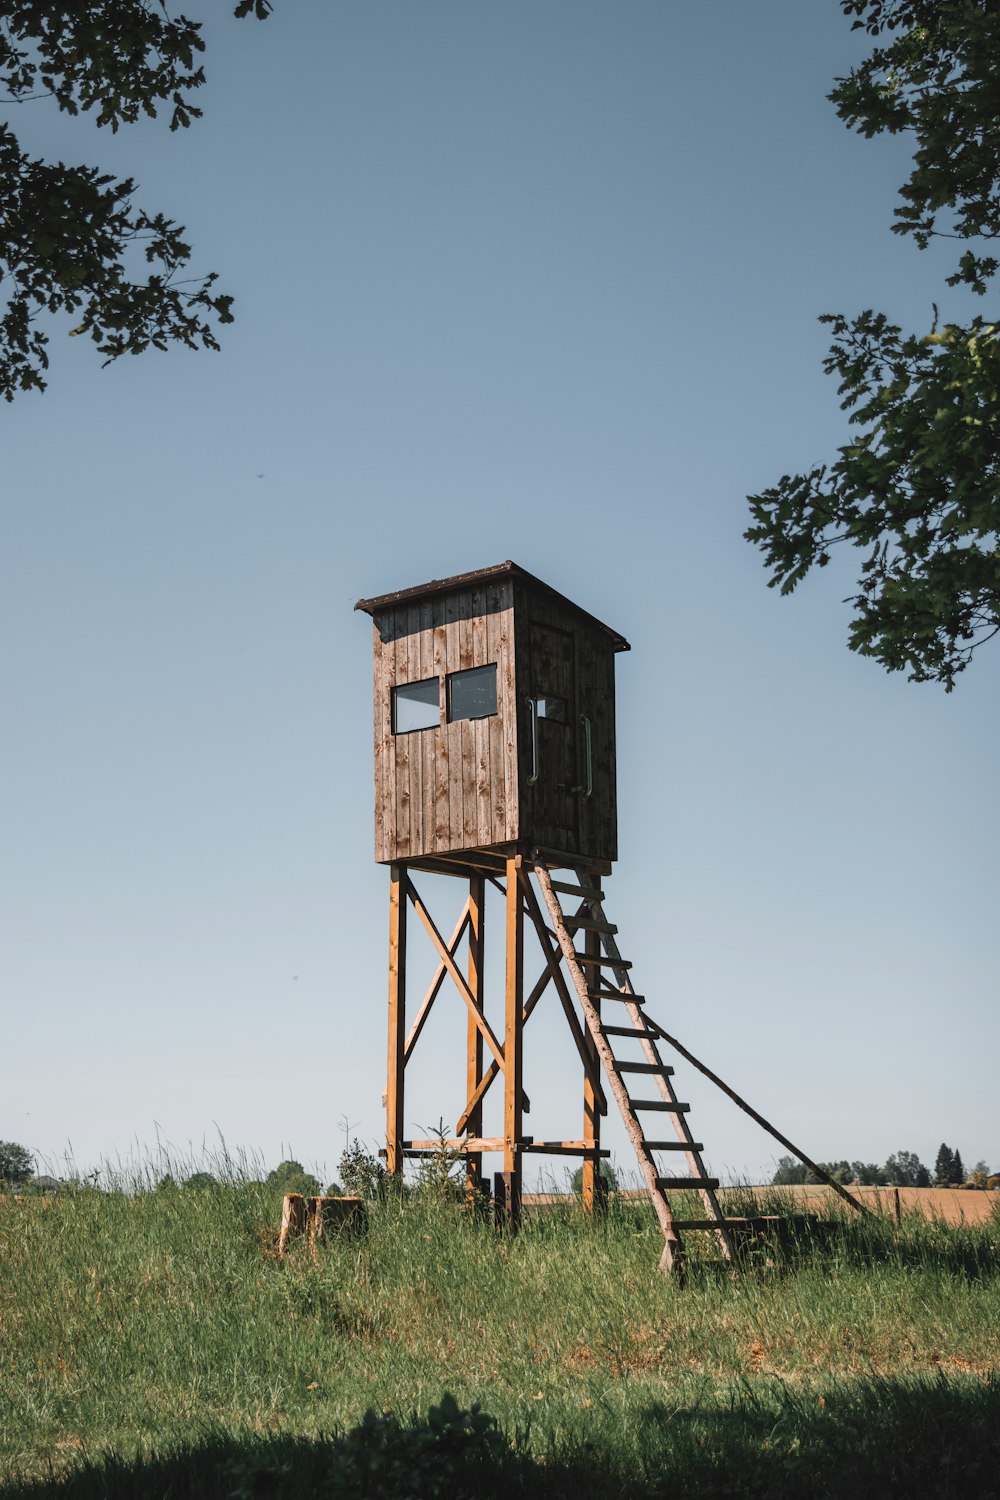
(595, 835)
(453, 787)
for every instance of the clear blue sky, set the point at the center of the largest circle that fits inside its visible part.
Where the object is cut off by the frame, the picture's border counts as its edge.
(516, 281)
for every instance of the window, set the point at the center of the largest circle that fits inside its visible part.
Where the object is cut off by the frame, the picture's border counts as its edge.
(472, 694)
(416, 705)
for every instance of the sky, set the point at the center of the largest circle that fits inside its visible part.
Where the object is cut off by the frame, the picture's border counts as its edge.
(516, 281)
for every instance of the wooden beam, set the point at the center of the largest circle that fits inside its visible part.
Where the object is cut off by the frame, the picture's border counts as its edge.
(474, 1037)
(814, 1167)
(672, 1250)
(456, 973)
(593, 1187)
(591, 1063)
(397, 1019)
(551, 967)
(513, 1039)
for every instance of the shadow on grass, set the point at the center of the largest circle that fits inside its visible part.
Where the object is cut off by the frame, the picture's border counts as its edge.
(885, 1438)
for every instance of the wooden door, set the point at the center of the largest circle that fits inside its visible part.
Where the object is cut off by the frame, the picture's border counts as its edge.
(597, 820)
(552, 741)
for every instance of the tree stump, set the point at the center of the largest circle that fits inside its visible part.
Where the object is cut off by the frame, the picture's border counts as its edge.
(293, 1221)
(326, 1216)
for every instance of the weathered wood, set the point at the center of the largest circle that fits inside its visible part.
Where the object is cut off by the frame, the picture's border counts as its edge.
(674, 1145)
(513, 1038)
(666, 1092)
(474, 1037)
(456, 974)
(328, 1216)
(551, 966)
(682, 1184)
(593, 1189)
(591, 1065)
(565, 1148)
(293, 1221)
(660, 1069)
(814, 1167)
(565, 888)
(543, 646)
(395, 1072)
(672, 1247)
(431, 1145)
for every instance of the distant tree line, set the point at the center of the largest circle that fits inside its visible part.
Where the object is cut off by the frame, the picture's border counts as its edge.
(903, 1169)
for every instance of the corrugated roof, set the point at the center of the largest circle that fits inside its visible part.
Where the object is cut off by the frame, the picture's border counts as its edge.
(506, 569)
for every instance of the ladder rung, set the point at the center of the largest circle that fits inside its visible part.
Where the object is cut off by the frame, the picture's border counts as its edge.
(646, 1067)
(596, 961)
(625, 1030)
(616, 995)
(584, 892)
(673, 1109)
(678, 1184)
(674, 1146)
(703, 1223)
(588, 924)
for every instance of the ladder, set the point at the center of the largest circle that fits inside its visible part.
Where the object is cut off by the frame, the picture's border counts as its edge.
(615, 1040)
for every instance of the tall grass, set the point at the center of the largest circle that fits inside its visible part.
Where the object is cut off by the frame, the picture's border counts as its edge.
(161, 1323)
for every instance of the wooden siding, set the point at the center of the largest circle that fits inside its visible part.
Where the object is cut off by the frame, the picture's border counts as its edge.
(455, 786)
(590, 829)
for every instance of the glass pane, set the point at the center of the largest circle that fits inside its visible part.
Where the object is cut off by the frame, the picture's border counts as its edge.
(416, 705)
(552, 708)
(472, 694)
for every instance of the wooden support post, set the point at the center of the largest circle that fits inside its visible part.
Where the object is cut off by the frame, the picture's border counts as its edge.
(474, 1037)
(397, 1020)
(507, 1201)
(593, 1184)
(512, 1047)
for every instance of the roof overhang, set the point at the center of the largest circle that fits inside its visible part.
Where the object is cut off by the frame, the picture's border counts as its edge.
(502, 570)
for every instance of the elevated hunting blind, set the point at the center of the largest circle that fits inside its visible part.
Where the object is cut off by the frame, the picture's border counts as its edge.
(495, 765)
(494, 720)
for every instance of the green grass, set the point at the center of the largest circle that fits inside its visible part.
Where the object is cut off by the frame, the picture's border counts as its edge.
(151, 1344)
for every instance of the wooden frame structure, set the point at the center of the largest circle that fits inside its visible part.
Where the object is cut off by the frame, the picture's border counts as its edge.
(489, 1056)
(495, 766)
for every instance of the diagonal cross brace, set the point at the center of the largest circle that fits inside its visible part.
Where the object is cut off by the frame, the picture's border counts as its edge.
(553, 954)
(459, 978)
(552, 961)
(436, 983)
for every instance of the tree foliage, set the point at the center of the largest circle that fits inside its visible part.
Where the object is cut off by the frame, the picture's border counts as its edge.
(944, 1165)
(918, 486)
(72, 239)
(292, 1177)
(16, 1164)
(361, 1172)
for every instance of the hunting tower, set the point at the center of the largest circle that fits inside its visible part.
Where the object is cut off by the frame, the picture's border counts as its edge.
(495, 765)
(494, 723)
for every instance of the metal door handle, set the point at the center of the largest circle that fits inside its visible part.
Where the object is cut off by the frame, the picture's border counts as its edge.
(588, 753)
(588, 750)
(533, 710)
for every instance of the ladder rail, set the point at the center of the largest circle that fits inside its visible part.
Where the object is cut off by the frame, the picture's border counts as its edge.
(673, 1248)
(682, 1129)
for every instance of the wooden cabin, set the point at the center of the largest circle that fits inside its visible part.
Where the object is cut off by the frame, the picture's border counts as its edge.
(494, 721)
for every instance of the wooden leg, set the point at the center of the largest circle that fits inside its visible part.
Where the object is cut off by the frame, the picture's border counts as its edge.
(593, 1184)
(397, 1020)
(474, 1042)
(512, 1049)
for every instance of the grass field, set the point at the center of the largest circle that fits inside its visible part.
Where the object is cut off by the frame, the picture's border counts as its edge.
(152, 1345)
